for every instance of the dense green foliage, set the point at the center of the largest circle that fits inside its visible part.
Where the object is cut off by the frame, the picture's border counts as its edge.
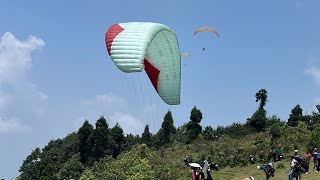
(102, 152)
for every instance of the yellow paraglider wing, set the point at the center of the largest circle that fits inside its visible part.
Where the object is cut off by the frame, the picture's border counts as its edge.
(206, 29)
(185, 54)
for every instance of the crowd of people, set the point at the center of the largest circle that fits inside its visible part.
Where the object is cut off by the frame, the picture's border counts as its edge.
(299, 164)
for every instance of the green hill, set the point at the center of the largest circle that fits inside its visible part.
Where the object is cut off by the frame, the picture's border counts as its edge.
(103, 152)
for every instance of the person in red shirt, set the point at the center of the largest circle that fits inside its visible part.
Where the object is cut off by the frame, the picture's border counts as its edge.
(308, 157)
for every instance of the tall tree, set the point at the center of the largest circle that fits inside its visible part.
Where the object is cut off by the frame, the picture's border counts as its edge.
(101, 140)
(118, 139)
(167, 129)
(262, 96)
(295, 116)
(146, 136)
(258, 121)
(196, 115)
(193, 126)
(85, 147)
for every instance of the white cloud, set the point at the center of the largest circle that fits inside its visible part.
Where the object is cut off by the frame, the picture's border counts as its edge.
(19, 97)
(114, 108)
(108, 102)
(128, 123)
(12, 126)
(315, 73)
(313, 67)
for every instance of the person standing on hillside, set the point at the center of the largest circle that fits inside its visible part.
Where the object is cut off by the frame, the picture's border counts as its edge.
(315, 158)
(308, 157)
(295, 154)
(199, 174)
(318, 164)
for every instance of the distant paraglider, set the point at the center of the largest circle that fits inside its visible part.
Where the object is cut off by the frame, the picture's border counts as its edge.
(185, 54)
(206, 29)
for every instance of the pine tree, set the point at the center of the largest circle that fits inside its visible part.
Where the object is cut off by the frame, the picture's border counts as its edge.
(100, 140)
(85, 147)
(167, 129)
(118, 139)
(146, 136)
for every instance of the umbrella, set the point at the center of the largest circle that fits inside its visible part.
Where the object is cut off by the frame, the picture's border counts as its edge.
(194, 165)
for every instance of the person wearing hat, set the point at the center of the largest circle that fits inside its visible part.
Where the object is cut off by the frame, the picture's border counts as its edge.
(197, 174)
(295, 154)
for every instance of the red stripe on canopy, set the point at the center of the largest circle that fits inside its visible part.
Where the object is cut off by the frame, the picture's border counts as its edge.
(111, 33)
(152, 72)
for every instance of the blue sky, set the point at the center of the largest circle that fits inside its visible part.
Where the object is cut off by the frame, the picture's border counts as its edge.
(55, 70)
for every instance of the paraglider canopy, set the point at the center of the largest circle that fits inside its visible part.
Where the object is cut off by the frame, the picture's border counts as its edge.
(185, 54)
(206, 29)
(153, 47)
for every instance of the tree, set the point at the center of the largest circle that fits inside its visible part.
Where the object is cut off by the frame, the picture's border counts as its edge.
(196, 115)
(146, 136)
(85, 147)
(132, 165)
(258, 121)
(167, 129)
(193, 126)
(237, 130)
(100, 140)
(209, 133)
(131, 141)
(47, 168)
(262, 96)
(30, 166)
(295, 116)
(118, 139)
(275, 120)
(72, 169)
(315, 136)
(181, 134)
(275, 131)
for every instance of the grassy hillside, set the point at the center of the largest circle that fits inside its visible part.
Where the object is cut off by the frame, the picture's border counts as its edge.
(60, 159)
(168, 161)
